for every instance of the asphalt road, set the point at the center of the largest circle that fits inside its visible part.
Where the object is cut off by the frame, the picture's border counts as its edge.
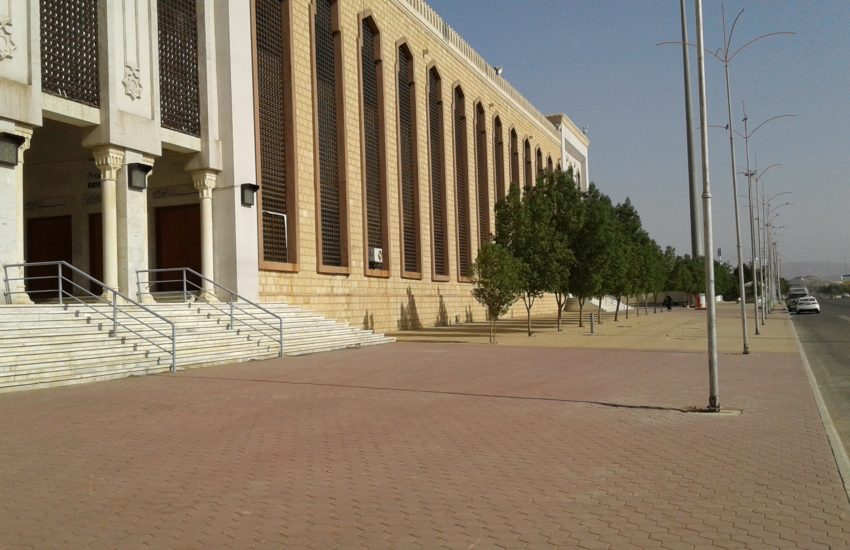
(826, 340)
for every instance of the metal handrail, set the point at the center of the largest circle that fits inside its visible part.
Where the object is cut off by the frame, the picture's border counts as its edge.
(190, 287)
(116, 308)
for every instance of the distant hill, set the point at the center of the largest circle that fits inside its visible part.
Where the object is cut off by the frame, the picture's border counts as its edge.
(830, 271)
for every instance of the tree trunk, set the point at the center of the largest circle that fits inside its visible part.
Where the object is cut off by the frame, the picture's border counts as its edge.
(617, 310)
(528, 301)
(655, 302)
(627, 307)
(599, 311)
(561, 300)
(580, 310)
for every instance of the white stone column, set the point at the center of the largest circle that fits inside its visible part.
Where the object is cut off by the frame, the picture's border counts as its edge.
(12, 217)
(204, 181)
(132, 230)
(109, 160)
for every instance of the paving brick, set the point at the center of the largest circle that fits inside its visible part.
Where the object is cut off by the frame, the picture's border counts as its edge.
(422, 446)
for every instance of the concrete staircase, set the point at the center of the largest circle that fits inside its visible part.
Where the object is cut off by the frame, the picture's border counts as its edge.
(48, 345)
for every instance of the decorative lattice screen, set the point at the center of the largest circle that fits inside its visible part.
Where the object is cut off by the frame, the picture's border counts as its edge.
(372, 143)
(499, 152)
(406, 109)
(272, 111)
(461, 185)
(69, 58)
(178, 66)
(438, 200)
(482, 180)
(326, 101)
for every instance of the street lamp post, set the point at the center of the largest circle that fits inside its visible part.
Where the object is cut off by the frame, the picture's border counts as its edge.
(727, 58)
(756, 252)
(711, 318)
(760, 221)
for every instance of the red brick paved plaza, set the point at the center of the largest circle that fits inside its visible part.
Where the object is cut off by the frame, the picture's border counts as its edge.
(417, 445)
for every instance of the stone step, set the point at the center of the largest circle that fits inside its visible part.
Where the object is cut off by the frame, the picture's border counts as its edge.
(80, 376)
(46, 345)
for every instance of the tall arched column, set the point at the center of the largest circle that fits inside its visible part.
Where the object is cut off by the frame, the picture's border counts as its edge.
(204, 181)
(109, 161)
(12, 217)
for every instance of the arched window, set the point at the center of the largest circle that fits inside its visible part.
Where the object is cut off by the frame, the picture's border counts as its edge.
(464, 248)
(515, 159)
(529, 178)
(549, 162)
(560, 167)
(499, 153)
(374, 173)
(538, 164)
(438, 182)
(408, 164)
(331, 198)
(482, 181)
(272, 85)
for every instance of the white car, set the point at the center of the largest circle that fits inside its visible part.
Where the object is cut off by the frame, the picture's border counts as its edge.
(807, 304)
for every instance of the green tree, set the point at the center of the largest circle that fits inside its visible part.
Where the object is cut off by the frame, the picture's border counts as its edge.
(565, 202)
(624, 268)
(592, 247)
(681, 278)
(498, 278)
(524, 227)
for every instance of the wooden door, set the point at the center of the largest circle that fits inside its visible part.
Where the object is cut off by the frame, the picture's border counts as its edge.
(96, 251)
(48, 240)
(178, 244)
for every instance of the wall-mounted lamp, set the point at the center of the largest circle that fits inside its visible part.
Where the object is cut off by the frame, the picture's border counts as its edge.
(137, 175)
(248, 192)
(9, 144)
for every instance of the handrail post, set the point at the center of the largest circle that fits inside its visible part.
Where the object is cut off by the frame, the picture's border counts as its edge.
(173, 349)
(8, 294)
(114, 314)
(59, 282)
(232, 326)
(280, 321)
(184, 284)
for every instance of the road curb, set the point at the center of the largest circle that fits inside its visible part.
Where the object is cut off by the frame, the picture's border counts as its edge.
(842, 461)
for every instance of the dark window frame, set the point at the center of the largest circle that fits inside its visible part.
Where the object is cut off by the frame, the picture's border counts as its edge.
(482, 176)
(339, 90)
(463, 220)
(409, 204)
(437, 173)
(499, 157)
(368, 19)
(515, 169)
(290, 159)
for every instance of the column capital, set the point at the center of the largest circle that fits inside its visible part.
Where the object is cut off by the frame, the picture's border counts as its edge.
(204, 181)
(109, 160)
(26, 133)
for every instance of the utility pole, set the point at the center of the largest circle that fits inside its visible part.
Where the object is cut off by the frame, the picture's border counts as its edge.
(714, 394)
(696, 232)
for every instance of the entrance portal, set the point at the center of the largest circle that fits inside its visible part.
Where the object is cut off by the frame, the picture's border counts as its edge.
(178, 244)
(48, 240)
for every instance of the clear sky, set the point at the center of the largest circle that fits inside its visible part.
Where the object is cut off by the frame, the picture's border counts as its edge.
(597, 61)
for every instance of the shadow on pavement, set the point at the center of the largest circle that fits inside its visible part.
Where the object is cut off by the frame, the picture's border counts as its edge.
(443, 392)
